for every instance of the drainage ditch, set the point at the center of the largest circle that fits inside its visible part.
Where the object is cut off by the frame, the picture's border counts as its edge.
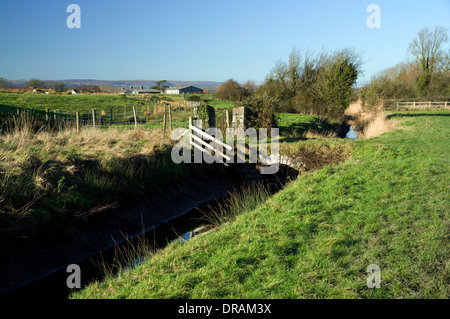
(181, 228)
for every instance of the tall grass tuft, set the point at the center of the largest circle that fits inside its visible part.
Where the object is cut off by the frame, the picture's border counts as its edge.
(241, 200)
(126, 256)
(369, 124)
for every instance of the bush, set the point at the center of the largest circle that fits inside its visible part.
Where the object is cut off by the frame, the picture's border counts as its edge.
(261, 112)
(320, 85)
(194, 98)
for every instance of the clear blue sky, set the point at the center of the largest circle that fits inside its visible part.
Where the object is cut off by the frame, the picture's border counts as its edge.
(200, 40)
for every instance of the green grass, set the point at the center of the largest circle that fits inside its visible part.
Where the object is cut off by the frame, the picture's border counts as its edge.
(295, 126)
(67, 103)
(386, 205)
(122, 108)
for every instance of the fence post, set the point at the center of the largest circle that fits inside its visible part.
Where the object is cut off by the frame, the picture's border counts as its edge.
(228, 118)
(78, 121)
(47, 117)
(111, 118)
(170, 117)
(93, 118)
(445, 104)
(190, 132)
(164, 120)
(135, 118)
(429, 103)
(55, 117)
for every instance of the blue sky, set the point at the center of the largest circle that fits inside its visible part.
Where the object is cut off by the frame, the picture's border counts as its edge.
(200, 40)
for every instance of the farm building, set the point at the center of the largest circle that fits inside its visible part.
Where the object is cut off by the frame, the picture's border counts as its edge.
(183, 90)
(43, 91)
(151, 91)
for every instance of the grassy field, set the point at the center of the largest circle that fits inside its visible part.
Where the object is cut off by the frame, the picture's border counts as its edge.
(120, 108)
(387, 204)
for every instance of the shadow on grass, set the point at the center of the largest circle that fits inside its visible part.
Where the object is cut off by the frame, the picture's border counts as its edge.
(296, 131)
(417, 114)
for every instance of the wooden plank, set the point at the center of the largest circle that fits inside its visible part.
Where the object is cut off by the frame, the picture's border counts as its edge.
(202, 142)
(205, 151)
(187, 131)
(210, 137)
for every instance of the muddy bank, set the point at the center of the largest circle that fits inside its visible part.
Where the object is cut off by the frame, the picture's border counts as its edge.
(37, 260)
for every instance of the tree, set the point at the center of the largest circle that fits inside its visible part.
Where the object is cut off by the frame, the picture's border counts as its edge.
(427, 50)
(314, 84)
(332, 87)
(3, 83)
(230, 91)
(35, 83)
(161, 86)
(59, 87)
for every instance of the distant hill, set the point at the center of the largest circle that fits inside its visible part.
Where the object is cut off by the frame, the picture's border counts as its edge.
(122, 83)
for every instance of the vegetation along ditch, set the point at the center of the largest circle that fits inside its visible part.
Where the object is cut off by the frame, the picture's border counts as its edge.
(134, 222)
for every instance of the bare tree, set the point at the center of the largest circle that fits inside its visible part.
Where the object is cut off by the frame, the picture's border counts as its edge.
(428, 49)
(429, 54)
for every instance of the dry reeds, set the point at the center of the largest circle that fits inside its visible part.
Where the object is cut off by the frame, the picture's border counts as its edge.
(368, 124)
(36, 163)
(315, 134)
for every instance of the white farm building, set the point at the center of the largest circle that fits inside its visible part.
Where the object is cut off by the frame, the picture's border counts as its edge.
(182, 90)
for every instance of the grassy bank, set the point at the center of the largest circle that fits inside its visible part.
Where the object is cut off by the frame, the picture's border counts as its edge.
(387, 204)
(50, 180)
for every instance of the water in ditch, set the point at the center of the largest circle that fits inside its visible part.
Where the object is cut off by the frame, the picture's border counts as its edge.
(352, 134)
(181, 229)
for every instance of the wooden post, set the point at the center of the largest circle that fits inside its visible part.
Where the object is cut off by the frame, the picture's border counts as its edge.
(78, 121)
(164, 120)
(228, 118)
(135, 118)
(190, 132)
(429, 104)
(47, 117)
(170, 117)
(445, 104)
(54, 117)
(93, 118)
(111, 117)
(125, 111)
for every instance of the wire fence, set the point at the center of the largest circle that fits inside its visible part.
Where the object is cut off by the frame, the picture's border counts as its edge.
(162, 117)
(149, 116)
